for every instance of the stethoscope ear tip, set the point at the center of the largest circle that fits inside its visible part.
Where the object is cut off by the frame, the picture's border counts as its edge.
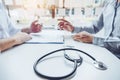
(100, 65)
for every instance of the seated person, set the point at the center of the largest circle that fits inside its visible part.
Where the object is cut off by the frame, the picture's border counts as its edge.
(9, 35)
(109, 19)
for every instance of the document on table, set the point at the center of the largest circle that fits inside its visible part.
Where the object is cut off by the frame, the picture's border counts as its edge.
(46, 37)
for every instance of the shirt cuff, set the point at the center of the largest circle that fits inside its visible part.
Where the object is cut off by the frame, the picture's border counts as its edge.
(98, 41)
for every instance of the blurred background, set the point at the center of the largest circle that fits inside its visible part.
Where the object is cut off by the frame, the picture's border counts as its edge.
(79, 12)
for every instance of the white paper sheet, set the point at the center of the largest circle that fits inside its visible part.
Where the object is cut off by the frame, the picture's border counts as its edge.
(46, 37)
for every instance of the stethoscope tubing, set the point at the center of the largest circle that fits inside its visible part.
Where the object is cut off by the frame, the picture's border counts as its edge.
(59, 77)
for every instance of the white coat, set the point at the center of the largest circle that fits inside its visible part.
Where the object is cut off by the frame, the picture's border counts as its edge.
(7, 29)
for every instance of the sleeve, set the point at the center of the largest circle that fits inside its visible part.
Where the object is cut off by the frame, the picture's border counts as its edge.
(1, 32)
(94, 28)
(12, 29)
(112, 44)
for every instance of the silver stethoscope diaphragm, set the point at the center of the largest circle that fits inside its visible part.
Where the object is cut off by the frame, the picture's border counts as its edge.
(99, 65)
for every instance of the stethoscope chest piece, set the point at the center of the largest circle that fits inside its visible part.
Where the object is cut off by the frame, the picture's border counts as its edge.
(99, 65)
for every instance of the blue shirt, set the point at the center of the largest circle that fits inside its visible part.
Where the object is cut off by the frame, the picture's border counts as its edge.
(110, 20)
(7, 29)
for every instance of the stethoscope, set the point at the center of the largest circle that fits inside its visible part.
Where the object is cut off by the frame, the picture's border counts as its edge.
(97, 64)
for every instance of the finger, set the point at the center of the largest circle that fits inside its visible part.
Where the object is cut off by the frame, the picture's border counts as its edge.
(22, 38)
(81, 35)
(63, 20)
(65, 27)
(75, 36)
(38, 27)
(61, 24)
(61, 28)
(84, 35)
(26, 37)
(34, 22)
(78, 39)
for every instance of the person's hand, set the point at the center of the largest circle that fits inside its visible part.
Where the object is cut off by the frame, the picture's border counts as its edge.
(83, 37)
(36, 27)
(21, 37)
(65, 25)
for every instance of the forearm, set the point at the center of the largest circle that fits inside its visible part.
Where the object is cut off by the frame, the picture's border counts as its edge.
(87, 29)
(95, 27)
(111, 44)
(6, 43)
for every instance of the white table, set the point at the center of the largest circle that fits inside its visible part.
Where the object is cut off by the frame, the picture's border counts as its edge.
(17, 63)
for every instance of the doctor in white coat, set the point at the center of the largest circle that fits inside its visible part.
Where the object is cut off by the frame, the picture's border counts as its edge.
(9, 35)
